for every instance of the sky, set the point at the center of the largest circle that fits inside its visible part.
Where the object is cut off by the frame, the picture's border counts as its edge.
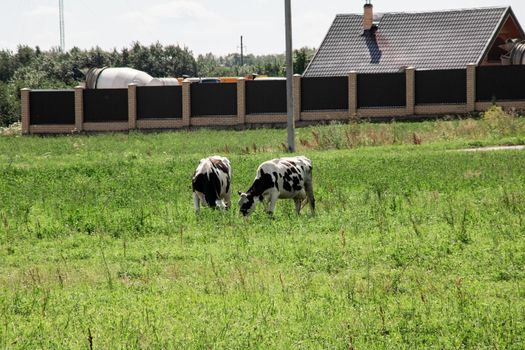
(201, 25)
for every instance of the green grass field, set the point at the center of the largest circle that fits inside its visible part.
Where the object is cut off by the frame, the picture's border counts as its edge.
(416, 245)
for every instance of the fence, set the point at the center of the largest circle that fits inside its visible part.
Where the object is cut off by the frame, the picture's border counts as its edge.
(408, 94)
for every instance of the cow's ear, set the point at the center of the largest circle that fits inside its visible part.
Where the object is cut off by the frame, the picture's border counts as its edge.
(239, 193)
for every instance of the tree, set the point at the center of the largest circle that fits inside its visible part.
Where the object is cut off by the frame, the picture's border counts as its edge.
(9, 111)
(24, 56)
(302, 58)
(37, 69)
(7, 65)
(179, 61)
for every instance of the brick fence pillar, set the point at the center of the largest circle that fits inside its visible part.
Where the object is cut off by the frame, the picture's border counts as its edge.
(79, 108)
(241, 101)
(352, 94)
(26, 110)
(471, 87)
(186, 103)
(132, 106)
(296, 85)
(410, 74)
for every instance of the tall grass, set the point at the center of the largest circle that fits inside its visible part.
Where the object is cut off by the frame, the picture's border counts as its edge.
(493, 125)
(413, 246)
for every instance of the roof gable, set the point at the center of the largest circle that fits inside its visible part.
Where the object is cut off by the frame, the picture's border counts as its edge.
(426, 40)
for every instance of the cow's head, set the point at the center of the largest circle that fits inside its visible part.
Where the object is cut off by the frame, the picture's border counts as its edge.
(220, 204)
(247, 203)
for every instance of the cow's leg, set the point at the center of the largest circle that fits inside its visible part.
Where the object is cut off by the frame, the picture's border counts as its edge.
(265, 202)
(227, 200)
(196, 202)
(310, 194)
(298, 204)
(272, 203)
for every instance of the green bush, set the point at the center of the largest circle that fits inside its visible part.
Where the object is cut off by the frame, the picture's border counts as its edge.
(9, 105)
(501, 121)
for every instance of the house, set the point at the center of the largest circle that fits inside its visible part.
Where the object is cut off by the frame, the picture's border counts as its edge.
(390, 42)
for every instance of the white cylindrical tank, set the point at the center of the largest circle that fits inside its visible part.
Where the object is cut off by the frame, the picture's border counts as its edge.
(120, 78)
(164, 82)
(517, 55)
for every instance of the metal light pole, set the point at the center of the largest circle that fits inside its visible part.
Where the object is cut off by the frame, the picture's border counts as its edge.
(289, 76)
(242, 53)
(61, 20)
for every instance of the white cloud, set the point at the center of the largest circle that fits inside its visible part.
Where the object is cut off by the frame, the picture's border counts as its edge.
(310, 28)
(181, 10)
(202, 25)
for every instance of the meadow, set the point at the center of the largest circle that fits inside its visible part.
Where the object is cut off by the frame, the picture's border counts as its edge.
(416, 244)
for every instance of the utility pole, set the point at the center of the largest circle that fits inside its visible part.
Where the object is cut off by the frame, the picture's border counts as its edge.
(242, 53)
(61, 18)
(289, 76)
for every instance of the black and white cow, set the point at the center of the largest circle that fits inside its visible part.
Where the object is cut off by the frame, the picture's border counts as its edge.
(280, 178)
(211, 183)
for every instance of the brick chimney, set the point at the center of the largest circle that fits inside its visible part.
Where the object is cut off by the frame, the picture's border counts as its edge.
(368, 16)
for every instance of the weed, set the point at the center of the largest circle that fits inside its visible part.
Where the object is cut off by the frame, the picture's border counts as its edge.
(11, 130)
(493, 122)
(416, 140)
(463, 234)
(109, 277)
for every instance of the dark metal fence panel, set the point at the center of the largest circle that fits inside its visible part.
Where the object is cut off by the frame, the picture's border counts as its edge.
(106, 105)
(265, 96)
(52, 107)
(159, 102)
(213, 99)
(319, 94)
(381, 90)
(441, 86)
(500, 83)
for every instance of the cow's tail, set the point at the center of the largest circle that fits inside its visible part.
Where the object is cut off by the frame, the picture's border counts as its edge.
(309, 188)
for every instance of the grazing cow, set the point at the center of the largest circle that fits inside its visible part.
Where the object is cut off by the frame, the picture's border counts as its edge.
(211, 183)
(280, 178)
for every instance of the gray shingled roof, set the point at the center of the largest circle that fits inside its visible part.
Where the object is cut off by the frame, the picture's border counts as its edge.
(426, 40)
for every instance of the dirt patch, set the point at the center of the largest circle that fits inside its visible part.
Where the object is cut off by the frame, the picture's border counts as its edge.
(493, 148)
